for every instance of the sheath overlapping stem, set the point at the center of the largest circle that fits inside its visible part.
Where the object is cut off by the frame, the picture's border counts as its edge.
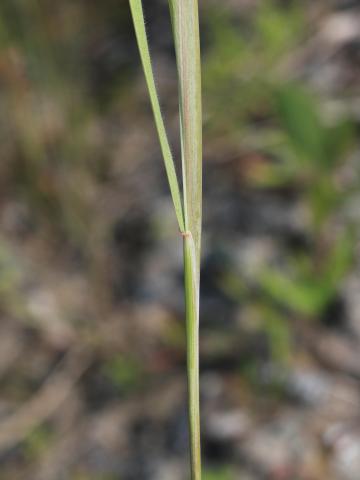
(185, 22)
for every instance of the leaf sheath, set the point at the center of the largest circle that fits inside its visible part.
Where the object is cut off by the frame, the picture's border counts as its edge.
(185, 22)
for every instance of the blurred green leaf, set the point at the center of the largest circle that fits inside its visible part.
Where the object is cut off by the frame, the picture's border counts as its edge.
(339, 139)
(278, 329)
(124, 372)
(38, 441)
(305, 296)
(304, 292)
(239, 62)
(217, 474)
(340, 259)
(323, 198)
(278, 27)
(301, 121)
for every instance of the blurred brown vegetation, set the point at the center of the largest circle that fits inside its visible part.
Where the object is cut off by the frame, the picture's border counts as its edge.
(92, 349)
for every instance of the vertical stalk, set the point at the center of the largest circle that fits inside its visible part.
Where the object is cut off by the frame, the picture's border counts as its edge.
(192, 341)
(185, 20)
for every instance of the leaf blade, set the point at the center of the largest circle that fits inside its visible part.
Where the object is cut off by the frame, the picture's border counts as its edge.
(139, 25)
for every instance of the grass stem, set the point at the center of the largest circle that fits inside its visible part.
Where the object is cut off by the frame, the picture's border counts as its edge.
(185, 22)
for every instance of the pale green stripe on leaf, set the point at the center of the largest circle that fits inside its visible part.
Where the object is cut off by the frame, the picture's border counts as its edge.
(139, 24)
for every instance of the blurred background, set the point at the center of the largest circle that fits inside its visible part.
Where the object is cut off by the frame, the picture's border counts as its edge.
(92, 347)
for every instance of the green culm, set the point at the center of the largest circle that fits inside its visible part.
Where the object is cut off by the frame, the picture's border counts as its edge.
(188, 202)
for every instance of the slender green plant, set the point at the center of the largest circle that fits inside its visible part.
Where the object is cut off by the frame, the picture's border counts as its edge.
(188, 204)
